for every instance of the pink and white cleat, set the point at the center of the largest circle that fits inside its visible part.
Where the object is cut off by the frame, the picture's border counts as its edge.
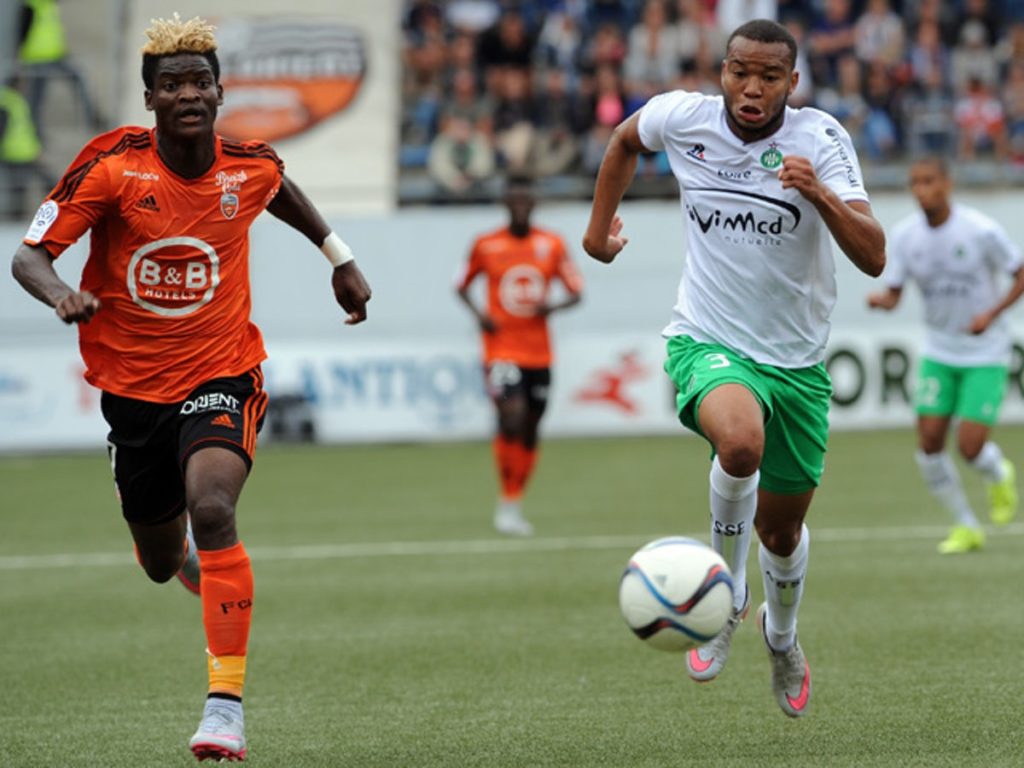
(221, 732)
(791, 675)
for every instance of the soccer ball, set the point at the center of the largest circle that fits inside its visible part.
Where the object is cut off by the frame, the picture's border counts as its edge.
(676, 593)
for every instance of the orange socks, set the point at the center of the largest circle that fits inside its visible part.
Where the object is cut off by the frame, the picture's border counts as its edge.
(515, 464)
(226, 589)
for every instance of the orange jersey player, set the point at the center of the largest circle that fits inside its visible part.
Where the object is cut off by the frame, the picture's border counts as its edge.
(164, 330)
(520, 262)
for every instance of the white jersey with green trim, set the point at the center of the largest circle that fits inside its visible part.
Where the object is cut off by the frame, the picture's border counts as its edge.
(759, 276)
(960, 267)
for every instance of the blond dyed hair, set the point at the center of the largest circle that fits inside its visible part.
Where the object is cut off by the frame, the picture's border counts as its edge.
(168, 37)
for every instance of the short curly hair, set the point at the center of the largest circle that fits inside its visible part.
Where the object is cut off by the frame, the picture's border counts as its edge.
(170, 37)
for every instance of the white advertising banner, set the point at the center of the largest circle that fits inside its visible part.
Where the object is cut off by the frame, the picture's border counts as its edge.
(434, 391)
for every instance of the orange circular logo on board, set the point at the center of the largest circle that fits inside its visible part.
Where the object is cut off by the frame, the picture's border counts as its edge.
(283, 76)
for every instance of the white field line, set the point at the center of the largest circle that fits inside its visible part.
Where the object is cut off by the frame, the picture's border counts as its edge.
(473, 547)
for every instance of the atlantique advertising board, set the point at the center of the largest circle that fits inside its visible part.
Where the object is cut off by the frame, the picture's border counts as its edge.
(412, 371)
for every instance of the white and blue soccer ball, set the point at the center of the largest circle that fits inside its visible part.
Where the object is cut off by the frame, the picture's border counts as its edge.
(676, 593)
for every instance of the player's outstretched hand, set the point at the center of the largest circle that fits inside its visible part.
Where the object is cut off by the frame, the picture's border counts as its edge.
(352, 291)
(78, 307)
(610, 247)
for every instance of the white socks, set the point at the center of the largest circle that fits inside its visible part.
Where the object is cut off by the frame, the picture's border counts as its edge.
(989, 462)
(940, 475)
(733, 503)
(783, 587)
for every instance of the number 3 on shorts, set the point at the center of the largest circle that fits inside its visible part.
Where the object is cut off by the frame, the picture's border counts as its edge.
(718, 360)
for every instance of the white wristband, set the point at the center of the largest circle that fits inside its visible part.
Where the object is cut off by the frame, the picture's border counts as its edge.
(336, 250)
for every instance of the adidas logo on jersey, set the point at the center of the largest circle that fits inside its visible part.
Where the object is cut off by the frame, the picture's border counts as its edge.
(148, 203)
(223, 421)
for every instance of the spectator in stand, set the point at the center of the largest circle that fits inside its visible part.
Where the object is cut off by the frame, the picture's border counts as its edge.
(43, 56)
(933, 12)
(465, 102)
(652, 59)
(831, 38)
(424, 56)
(980, 121)
(609, 111)
(803, 94)
(882, 96)
(507, 44)
(461, 159)
(695, 79)
(617, 13)
(560, 42)
(844, 100)
(462, 53)
(982, 13)
(515, 118)
(1013, 101)
(1010, 49)
(929, 57)
(973, 58)
(605, 46)
(559, 122)
(879, 35)
(929, 115)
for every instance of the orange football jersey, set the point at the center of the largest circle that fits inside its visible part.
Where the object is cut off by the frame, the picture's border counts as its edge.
(519, 272)
(168, 260)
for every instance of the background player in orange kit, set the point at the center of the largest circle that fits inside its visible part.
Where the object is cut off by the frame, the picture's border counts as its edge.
(164, 330)
(519, 262)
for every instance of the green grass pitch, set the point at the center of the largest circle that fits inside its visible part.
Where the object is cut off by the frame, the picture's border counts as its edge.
(393, 628)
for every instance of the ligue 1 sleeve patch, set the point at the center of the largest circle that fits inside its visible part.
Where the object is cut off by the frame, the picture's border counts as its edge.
(43, 220)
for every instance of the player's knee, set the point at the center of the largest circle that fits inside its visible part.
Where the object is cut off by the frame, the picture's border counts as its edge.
(780, 540)
(739, 457)
(970, 448)
(161, 566)
(213, 521)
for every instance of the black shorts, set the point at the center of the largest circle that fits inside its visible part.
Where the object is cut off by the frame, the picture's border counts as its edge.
(506, 380)
(150, 443)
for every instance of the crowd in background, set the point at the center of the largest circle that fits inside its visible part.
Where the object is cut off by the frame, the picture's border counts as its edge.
(537, 87)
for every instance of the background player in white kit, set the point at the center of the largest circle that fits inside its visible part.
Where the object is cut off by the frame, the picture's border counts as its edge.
(762, 185)
(957, 256)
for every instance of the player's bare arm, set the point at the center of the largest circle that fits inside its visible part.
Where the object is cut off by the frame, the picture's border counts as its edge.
(852, 224)
(603, 239)
(981, 323)
(484, 320)
(33, 268)
(292, 207)
(887, 299)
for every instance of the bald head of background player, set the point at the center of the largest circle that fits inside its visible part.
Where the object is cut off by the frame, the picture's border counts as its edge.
(168, 338)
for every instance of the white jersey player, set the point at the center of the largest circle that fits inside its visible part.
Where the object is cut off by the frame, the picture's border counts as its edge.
(960, 259)
(763, 187)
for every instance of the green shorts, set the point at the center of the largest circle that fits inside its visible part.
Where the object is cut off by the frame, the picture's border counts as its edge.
(972, 393)
(794, 401)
